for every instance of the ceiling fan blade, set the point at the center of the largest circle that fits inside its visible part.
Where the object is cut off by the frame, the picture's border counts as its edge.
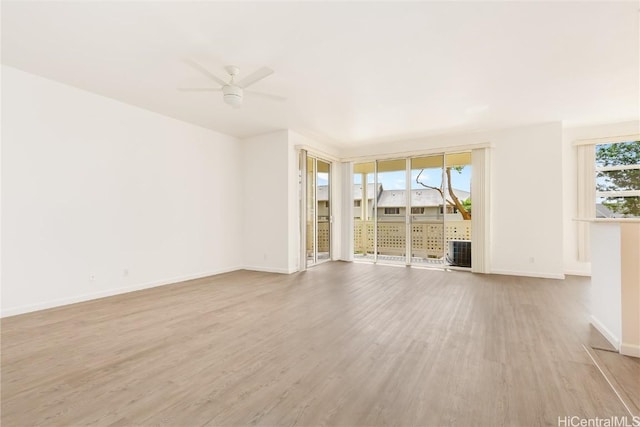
(204, 71)
(255, 77)
(266, 95)
(199, 89)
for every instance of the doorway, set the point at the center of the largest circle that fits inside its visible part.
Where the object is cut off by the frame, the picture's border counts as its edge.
(316, 209)
(414, 211)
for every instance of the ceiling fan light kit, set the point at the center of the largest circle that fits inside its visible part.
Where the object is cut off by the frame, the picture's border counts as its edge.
(232, 95)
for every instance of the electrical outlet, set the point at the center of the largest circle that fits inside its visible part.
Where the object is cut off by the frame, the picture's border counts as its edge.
(92, 277)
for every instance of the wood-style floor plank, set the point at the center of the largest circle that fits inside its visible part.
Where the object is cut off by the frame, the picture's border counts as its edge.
(340, 344)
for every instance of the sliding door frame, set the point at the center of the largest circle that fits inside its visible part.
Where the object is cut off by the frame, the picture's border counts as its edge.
(304, 158)
(479, 228)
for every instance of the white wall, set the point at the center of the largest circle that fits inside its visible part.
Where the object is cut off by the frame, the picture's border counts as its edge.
(526, 193)
(606, 310)
(271, 180)
(570, 169)
(92, 187)
(267, 175)
(526, 201)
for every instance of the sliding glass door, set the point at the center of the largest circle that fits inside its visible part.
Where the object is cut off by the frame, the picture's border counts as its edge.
(323, 217)
(417, 211)
(365, 197)
(391, 211)
(457, 209)
(316, 209)
(427, 218)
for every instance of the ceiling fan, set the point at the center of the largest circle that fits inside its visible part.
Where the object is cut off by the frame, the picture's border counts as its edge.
(233, 92)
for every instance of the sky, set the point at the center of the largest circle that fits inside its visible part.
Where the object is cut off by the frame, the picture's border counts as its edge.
(396, 180)
(431, 177)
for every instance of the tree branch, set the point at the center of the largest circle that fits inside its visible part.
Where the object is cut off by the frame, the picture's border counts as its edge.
(439, 190)
(463, 211)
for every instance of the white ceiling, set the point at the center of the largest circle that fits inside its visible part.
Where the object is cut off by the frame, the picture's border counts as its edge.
(353, 73)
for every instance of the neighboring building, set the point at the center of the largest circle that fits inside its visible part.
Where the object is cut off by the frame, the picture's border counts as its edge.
(361, 206)
(604, 212)
(426, 203)
(322, 196)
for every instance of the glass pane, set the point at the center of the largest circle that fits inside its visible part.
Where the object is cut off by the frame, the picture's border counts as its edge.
(617, 171)
(323, 227)
(618, 207)
(457, 215)
(427, 226)
(311, 210)
(623, 153)
(391, 211)
(618, 180)
(363, 208)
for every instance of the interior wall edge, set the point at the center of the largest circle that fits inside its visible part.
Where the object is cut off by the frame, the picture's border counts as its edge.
(613, 340)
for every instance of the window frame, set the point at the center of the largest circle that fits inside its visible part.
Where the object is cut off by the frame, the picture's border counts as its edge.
(586, 187)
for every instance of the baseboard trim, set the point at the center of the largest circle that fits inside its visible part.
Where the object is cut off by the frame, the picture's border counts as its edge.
(528, 274)
(613, 340)
(59, 302)
(630, 349)
(577, 273)
(270, 269)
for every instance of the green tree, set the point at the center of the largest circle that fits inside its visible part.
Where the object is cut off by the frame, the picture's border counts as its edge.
(622, 154)
(467, 204)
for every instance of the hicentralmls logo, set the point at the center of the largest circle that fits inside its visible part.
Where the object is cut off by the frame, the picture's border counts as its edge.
(575, 421)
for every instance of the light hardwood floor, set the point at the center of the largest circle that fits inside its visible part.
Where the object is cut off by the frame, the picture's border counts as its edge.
(340, 344)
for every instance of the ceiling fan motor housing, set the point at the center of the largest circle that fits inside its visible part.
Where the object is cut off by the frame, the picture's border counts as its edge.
(232, 95)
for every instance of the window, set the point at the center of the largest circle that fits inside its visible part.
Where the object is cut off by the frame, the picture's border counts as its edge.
(450, 209)
(617, 180)
(608, 183)
(392, 211)
(357, 203)
(417, 211)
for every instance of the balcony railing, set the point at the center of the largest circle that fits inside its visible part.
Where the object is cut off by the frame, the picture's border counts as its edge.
(323, 236)
(428, 238)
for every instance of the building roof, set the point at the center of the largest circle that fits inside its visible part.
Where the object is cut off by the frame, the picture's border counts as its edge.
(357, 191)
(604, 212)
(323, 191)
(419, 198)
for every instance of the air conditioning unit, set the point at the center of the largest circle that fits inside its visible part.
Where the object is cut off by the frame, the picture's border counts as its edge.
(459, 254)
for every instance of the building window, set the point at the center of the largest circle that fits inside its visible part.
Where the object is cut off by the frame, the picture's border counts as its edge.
(417, 211)
(357, 203)
(450, 209)
(392, 211)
